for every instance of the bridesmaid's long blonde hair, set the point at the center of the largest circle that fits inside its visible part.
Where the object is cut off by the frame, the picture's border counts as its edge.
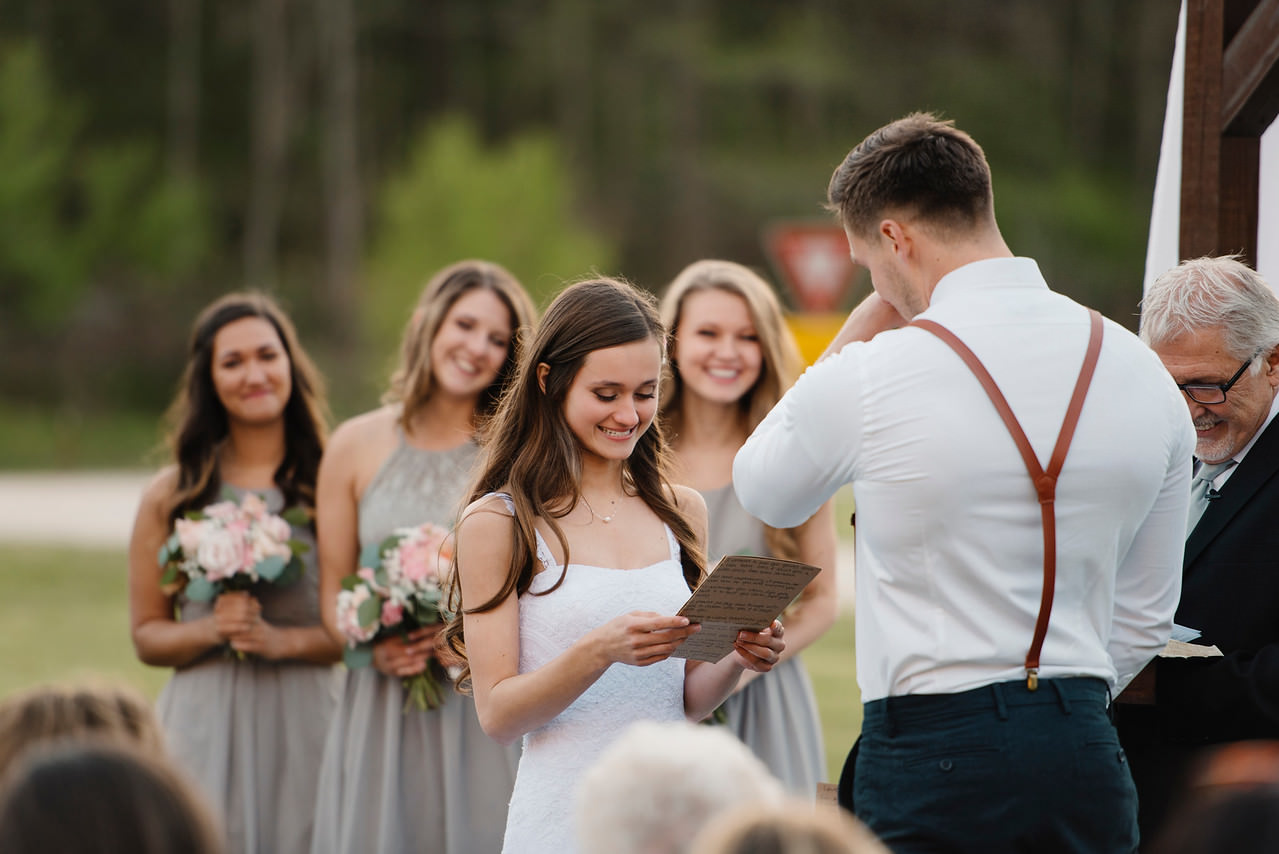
(413, 380)
(780, 364)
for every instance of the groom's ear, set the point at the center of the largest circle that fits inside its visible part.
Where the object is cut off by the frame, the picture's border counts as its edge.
(543, 370)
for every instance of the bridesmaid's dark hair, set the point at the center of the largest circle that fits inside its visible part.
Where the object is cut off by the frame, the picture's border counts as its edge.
(532, 453)
(200, 420)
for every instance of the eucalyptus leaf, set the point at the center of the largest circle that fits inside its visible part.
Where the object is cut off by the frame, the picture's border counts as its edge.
(270, 568)
(171, 549)
(359, 656)
(200, 589)
(293, 570)
(370, 612)
(171, 574)
(350, 582)
(299, 547)
(297, 516)
(371, 555)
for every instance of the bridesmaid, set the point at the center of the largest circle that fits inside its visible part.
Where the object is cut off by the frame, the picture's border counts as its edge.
(732, 358)
(398, 780)
(249, 417)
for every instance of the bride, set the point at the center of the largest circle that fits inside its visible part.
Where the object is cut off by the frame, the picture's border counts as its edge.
(574, 556)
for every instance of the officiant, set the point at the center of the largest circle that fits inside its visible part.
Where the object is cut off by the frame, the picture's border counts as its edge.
(1214, 322)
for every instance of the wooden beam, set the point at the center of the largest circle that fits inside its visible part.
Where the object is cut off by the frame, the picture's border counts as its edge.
(1201, 129)
(1250, 73)
(1239, 199)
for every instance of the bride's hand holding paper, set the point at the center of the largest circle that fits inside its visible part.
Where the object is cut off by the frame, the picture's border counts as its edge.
(742, 593)
(642, 638)
(760, 651)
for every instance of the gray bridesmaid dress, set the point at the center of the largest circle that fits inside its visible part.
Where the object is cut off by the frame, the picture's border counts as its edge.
(776, 714)
(397, 780)
(251, 732)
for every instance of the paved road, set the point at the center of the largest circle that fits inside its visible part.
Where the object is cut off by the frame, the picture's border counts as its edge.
(75, 508)
(96, 509)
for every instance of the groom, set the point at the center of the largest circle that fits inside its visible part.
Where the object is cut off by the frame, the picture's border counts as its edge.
(985, 670)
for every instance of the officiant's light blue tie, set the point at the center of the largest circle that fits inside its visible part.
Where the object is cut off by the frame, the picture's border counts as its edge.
(1201, 491)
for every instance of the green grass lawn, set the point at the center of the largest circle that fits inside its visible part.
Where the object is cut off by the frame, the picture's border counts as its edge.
(830, 665)
(65, 614)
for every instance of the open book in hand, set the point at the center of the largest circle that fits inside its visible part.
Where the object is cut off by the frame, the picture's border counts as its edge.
(742, 592)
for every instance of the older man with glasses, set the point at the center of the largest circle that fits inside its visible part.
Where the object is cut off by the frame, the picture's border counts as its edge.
(1214, 322)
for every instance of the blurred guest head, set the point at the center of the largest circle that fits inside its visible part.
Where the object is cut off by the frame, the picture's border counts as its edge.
(795, 827)
(1240, 821)
(50, 713)
(93, 798)
(1228, 802)
(654, 788)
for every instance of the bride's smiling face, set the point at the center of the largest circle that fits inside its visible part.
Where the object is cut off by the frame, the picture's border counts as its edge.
(613, 398)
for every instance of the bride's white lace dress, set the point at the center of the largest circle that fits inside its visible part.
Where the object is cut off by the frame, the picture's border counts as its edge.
(540, 820)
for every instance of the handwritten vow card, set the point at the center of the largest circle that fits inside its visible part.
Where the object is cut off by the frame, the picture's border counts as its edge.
(742, 592)
(1181, 649)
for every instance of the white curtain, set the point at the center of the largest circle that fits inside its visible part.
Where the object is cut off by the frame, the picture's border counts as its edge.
(1165, 214)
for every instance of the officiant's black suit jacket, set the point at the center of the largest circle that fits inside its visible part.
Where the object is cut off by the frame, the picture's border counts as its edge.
(1230, 592)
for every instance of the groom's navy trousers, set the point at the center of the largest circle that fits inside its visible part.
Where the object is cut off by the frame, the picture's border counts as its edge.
(996, 769)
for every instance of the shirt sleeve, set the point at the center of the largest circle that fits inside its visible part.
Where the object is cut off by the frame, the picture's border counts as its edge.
(1148, 581)
(804, 449)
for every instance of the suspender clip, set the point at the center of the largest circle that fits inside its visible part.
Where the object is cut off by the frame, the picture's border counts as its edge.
(1032, 678)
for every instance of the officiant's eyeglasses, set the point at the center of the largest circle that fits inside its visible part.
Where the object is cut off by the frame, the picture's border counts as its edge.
(1210, 393)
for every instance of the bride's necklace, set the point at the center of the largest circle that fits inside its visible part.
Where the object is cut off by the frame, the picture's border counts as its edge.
(605, 519)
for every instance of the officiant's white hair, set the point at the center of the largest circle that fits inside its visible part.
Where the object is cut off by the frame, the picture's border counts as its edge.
(655, 787)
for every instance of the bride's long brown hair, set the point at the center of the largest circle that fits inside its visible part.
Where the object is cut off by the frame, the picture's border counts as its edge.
(531, 453)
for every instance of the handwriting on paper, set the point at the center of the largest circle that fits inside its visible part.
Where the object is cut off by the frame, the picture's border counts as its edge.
(742, 592)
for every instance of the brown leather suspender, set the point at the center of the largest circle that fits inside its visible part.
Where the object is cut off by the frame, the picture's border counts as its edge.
(1045, 481)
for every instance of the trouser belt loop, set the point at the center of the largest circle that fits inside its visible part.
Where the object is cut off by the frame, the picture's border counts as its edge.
(1061, 696)
(1001, 707)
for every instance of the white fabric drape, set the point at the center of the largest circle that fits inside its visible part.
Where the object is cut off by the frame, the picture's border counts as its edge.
(1165, 214)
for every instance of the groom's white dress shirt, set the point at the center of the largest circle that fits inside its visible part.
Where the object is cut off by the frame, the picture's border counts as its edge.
(949, 554)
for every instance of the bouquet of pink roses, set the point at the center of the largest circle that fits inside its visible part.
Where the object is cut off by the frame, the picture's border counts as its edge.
(396, 590)
(231, 545)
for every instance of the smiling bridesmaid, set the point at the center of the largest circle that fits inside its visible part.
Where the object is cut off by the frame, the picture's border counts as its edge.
(399, 779)
(249, 730)
(732, 357)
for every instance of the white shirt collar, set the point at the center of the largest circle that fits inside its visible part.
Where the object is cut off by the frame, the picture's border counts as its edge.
(989, 273)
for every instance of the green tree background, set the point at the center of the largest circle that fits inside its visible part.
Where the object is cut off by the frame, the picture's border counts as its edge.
(337, 152)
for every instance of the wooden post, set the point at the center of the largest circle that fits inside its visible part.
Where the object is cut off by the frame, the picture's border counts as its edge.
(1231, 97)
(1201, 130)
